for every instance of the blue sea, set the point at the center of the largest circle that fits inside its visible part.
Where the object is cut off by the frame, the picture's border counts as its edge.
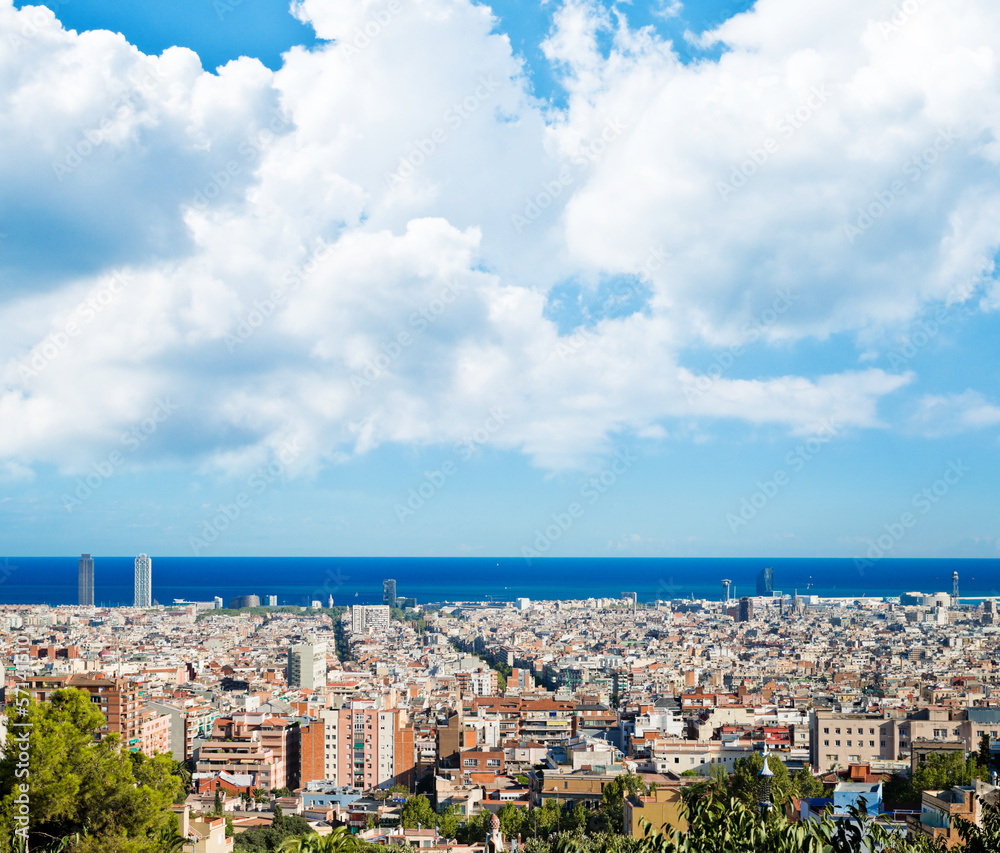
(358, 580)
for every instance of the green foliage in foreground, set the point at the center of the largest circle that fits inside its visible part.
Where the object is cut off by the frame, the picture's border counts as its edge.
(726, 824)
(267, 839)
(83, 795)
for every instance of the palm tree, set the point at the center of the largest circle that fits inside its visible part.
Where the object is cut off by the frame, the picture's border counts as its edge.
(170, 841)
(338, 841)
(181, 770)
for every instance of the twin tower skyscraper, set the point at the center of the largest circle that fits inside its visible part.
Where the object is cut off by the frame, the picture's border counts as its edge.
(143, 581)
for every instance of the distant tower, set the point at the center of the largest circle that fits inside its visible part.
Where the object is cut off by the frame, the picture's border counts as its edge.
(725, 590)
(330, 604)
(954, 588)
(143, 581)
(765, 581)
(746, 609)
(85, 581)
(389, 592)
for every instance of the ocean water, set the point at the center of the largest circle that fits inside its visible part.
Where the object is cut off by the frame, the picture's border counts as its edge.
(358, 580)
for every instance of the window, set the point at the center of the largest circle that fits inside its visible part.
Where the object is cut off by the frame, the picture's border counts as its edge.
(850, 744)
(848, 731)
(826, 743)
(871, 731)
(836, 731)
(837, 743)
(677, 760)
(826, 731)
(883, 743)
(871, 743)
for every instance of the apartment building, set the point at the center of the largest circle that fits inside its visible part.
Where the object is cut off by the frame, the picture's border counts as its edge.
(307, 665)
(362, 746)
(240, 755)
(277, 734)
(191, 721)
(369, 617)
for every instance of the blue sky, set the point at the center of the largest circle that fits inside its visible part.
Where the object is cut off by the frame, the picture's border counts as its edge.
(438, 279)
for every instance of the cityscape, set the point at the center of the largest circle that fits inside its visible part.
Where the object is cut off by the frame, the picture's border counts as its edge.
(495, 715)
(500, 426)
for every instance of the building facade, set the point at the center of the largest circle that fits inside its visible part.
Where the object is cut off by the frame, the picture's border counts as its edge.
(143, 581)
(307, 665)
(85, 581)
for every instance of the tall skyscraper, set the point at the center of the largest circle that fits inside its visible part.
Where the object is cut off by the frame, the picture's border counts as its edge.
(143, 581)
(389, 592)
(765, 581)
(746, 609)
(85, 581)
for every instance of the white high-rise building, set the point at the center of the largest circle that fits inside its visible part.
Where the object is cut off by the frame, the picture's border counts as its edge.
(143, 581)
(365, 617)
(307, 665)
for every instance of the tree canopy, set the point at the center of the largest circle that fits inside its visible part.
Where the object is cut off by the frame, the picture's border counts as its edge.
(94, 793)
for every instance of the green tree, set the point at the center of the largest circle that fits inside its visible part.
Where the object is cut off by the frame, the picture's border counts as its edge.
(804, 784)
(985, 838)
(731, 825)
(943, 770)
(417, 811)
(448, 822)
(985, 758)
(475, 830)
(94, 793)
(338, 841)
(744, 783)
(511, 820)
(281, 792)
(217, 806)
(611, 814)
(278, 821)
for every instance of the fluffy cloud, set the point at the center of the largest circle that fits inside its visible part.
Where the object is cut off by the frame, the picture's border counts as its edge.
(360, 247)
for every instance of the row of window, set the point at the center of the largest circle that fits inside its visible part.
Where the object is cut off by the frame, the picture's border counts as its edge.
(860, 731)
(871, 743)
